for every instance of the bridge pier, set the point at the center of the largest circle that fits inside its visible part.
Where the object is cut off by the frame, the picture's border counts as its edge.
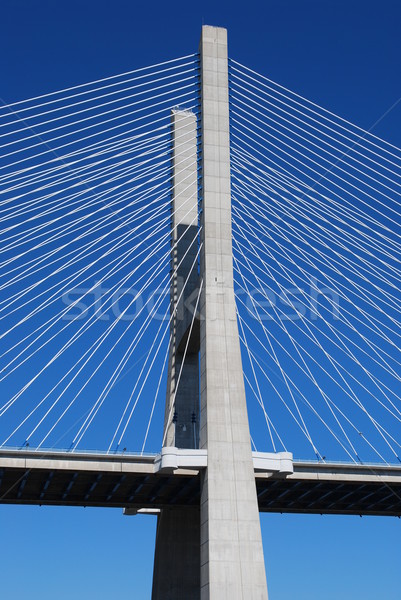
(232, 562)
(176, 573)
(230, 565)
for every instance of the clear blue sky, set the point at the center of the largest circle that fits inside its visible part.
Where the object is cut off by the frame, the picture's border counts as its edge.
(346, 56)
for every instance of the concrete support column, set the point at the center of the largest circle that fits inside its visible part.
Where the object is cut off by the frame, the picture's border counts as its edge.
(232, 563)
(176, 574)
(181, 421)
(177, 557)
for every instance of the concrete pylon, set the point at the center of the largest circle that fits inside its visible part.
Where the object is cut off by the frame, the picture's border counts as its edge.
(181, 420)
(215, 553)
(176, 574)
(232, 562)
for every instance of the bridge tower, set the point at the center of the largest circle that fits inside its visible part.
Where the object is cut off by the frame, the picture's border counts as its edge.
(215, 552)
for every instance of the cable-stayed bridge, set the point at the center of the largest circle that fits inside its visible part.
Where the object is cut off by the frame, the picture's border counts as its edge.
(196, 228)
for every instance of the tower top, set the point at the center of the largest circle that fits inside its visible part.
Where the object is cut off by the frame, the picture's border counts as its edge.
(210, 33)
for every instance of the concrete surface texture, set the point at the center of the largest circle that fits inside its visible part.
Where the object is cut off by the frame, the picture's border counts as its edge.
(176, 573)
(232, 562)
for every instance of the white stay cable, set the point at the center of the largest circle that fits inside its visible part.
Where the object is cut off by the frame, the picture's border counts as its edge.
(7, 106)
(313, 338)
(336, 365)
(187, 87)
(72, 261)
(370, 325)
(124, 175)
(367, 295)
(302, 397)
(258, 235)
(341, 206)
(50, 168)
(366, 135)
(126, 356)
(161, 121)
(328, 206)
(305, 172)
(324, 174)
(124, 148)
(101, 114)
(149, 155)
(172, 406)
(295, 347)
(108, 200)
(343, 240)
(95, 99)
(258, 394)
(305, 399)
(350, 148)
(266, 416)
(162, 370)
(96, 345)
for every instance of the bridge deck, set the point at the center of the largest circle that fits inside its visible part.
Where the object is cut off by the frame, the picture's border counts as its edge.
(65, 479)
